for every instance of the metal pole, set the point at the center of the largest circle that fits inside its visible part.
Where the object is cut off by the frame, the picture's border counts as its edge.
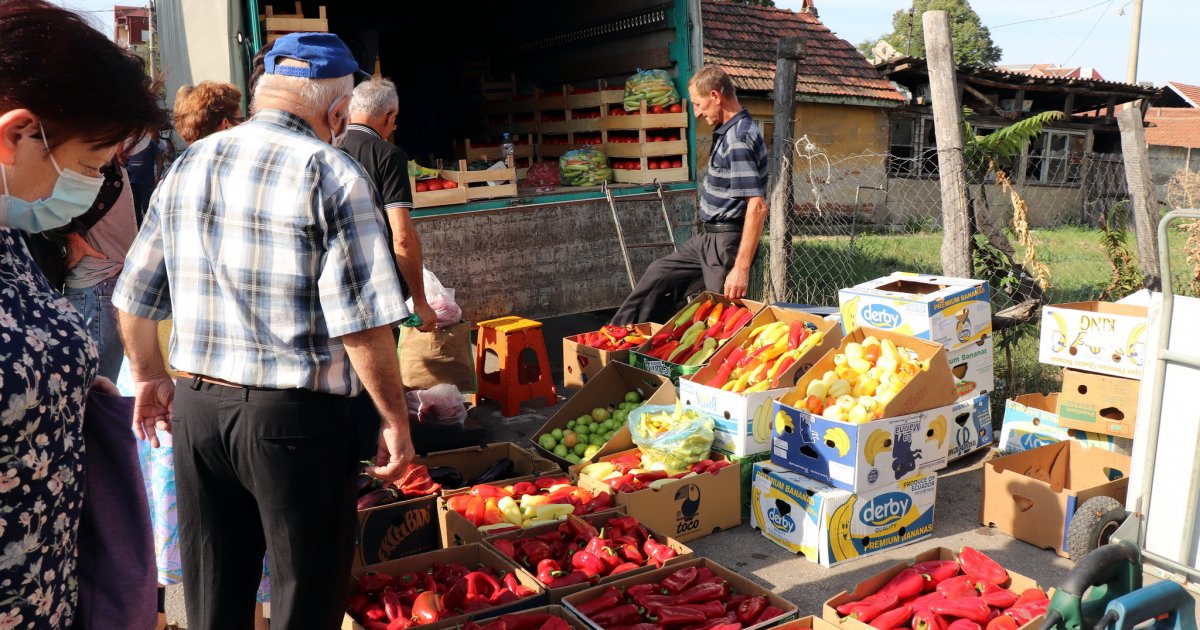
(1135, 38)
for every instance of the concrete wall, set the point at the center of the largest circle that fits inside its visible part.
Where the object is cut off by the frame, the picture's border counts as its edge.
(915, 199)
(1166, 161)
(546, 260)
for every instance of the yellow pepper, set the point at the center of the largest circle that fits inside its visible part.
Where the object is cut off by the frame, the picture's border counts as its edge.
(554, 511)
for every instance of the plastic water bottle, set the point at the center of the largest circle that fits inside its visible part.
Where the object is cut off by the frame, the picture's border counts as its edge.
(506, 148)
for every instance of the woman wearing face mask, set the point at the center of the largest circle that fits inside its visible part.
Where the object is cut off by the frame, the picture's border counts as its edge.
(68, 97)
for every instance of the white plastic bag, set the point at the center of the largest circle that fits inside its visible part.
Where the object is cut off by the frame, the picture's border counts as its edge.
(441, 300)
(440, 405)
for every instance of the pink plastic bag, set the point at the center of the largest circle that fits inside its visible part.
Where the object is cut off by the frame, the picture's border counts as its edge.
(440, 405)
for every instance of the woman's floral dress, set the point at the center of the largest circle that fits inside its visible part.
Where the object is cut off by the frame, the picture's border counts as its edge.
(47, 365)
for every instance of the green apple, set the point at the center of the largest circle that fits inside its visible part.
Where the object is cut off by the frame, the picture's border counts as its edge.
(561, 450)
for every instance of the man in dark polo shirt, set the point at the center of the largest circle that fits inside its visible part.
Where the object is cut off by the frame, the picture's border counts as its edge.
(373, 110)
(732, 210)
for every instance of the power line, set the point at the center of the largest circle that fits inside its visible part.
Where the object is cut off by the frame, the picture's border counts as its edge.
(1089, 33)
(1053, 17)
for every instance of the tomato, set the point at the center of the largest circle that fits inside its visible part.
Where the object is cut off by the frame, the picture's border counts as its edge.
(676, 163)
(422, 187)
(675, 109)
(652, 165)
(658, 139)
(871, 353)
(813, 405)
(447, 184)
(657, 109)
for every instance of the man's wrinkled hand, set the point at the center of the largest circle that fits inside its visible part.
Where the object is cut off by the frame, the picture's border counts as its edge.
(428, 317)
(737, 283)
(153, 406)
(394, 454)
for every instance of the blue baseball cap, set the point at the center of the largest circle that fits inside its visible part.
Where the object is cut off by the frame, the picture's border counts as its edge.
(327, 56)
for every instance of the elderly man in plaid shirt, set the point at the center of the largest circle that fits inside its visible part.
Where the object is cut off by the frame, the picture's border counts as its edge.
(265, 244)
(732, 210)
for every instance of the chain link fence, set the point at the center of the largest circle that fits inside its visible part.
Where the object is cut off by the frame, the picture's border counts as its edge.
(859, 217)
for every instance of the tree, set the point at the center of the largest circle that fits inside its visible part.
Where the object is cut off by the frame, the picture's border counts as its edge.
(973, 44)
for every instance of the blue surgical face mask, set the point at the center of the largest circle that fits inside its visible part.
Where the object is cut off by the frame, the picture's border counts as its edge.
(73, 194)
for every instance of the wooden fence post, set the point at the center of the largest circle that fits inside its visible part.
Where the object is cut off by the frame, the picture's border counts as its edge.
(779, 187)
(1143, 211)
(947, 125)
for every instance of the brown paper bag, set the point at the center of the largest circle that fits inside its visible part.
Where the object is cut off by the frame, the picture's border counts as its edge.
(441, 356)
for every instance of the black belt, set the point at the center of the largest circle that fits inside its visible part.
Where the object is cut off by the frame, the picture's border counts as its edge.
(718, 227)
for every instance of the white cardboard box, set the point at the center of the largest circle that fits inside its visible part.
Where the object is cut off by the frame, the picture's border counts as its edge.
(1101, 337)
(950, 311)
(974, 369)
(829, 525)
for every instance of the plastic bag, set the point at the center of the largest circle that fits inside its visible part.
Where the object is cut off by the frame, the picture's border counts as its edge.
(584, 167)
(542, 175)
(653, 86)
(441, 300)
(673, 445)
(441, 405)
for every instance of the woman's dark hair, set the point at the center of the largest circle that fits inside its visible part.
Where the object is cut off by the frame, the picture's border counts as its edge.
(258, 67)
(79, 83)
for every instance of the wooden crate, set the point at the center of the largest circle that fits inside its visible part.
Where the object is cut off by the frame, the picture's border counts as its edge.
(644, 148)
(434, 198)
(646, 176)
(645, 120)
(558, 126)
(549, 100)
(491, 151)
(276, 26)
(475, 183)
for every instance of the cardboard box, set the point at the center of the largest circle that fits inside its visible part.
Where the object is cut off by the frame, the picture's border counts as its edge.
(639, 359)
(558, 611)
(1033, 495)
(744, 420)
(685, 509)
(737, 583)
(1016, 583)
(811, 622)
(582, 363)
(830, 526)
(971, 426)
(1100, 337)
(1098, 404)
(1031, 421)
(608, 387)
(974, 369)
(410, 527)
(911, 439)
(597, 520)
(471, 556)
(951, 311)
(746, 467)
(457, 529)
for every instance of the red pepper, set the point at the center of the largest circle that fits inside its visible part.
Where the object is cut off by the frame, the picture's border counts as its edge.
(730, 362)
(481, 584)
(657, 551)
(1024, 613)
(869, 607)
(639, 626)
(936, 571)
(525, 621)
(427, 608)
(972, 608)
(624, 567)
(713, 624)
(980, 567)
(639, 590)
(391, 604)
(548, 570)
(375, 612)
(734, 325)
(727, 626)
(960, 586)
(622, 615)
(680, 580)
(701, 593)
(794, 330)
(964, 624)
(1003, 622)
(602, 501)
(588, 562)
(679, 616)
(769, 613)
(610, 597)
(570, 579)
(514, 586)
(927, 620)
(535, 551)
(732, 600)
(925, 601)
(357, 603)
(750, 609)
(666, 349)
(485, 491)
(894, 618)
(374, 582)
(454, 598)
(652, 603)
(400, 623)
(581, 528)
(905, 584)
(501, 597)
(1030, 595)
(1002, 598)
(710, 610)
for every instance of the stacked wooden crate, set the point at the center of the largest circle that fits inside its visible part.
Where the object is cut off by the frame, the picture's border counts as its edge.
(278, 25)
(643, 146)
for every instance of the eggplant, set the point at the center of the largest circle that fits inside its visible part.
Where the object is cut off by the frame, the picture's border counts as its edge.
(502, 469)
(448, 476)
(378, 497)
(365, 483)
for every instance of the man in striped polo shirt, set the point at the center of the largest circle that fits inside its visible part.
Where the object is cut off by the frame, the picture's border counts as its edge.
(732, 210)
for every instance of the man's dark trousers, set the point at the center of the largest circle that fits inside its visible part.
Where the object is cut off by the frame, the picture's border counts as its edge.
(669, 280)
(264, 470)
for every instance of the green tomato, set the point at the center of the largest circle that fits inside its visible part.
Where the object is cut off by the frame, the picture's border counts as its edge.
(591, 450)
(621, 416)
(547, 441)
(584, 419)
(573, 458)
(557, 433)
(597, 439)
(582, 429)
(580, 449)
(570, 424)
(600, 414)
(633, 398)
(608, 436)
(561, 450)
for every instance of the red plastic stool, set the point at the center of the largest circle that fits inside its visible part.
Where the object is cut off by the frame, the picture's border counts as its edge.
(516, 380)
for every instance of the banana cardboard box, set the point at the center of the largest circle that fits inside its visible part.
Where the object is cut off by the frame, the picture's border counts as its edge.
(974, 368)
(970, 426)
(1101, 337)
(1096, 403)
(743, 425)
(951, 311)
(1031, 421)
(642, 361)
(830, 526)
(913, 436)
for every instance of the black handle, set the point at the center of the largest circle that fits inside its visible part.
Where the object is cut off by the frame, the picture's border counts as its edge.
(1095, 566)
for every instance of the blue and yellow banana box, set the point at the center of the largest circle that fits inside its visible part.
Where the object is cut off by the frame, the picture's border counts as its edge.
(829, 525)
(1031, 421)
(1102, 337)
(912, 436)
(951, 311)
(970, 427)
(974, 369)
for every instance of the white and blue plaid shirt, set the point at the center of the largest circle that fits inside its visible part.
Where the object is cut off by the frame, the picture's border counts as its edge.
(266, 245)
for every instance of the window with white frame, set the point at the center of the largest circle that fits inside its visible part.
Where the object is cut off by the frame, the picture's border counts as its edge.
(1055, 157)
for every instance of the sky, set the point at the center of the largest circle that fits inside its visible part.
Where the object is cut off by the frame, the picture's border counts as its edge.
(1091, 33)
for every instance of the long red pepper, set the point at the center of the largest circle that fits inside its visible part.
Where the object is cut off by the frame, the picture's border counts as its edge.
(622, 615)
(905, 584)
(607, 599)
(972, 608)
(960, 586)
(980, 567)
(769, 613)
(963, 624)
(750, 609)
(1002, 598)
(894, 618)
(936, 571)
(927, 620)
(1003, 622)
(678, 616)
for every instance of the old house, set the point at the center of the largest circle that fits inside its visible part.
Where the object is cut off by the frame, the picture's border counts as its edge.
(1173, 132)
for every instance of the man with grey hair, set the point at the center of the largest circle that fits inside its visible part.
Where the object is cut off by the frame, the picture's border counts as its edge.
(266, 245)
(374, 107)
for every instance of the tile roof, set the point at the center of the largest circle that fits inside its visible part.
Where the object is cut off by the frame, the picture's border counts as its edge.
(743, 39)
(1189, 92)
(1173, 127)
